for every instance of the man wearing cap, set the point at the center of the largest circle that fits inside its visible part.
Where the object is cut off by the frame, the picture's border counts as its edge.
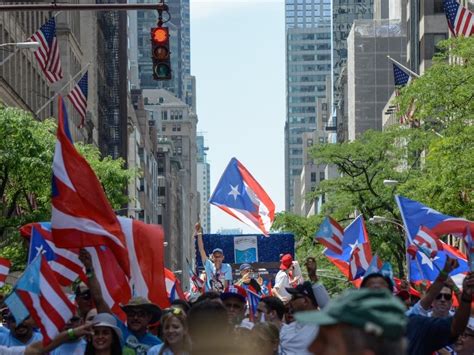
(218, 274)
(234, 299)
(19, 334)
(295, 337)
(283, 278)
(140, 313)
(359, 322)
(246, 279)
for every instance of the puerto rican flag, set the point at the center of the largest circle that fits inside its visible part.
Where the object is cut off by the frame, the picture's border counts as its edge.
(173, 286)
(241, 196)
(356, 250)
(145, 243)
(330, 235)
(427, 241)
(5, 266)
(252, 300)
(43, 297)
(81, 215)
(65, 263)
(415, 214)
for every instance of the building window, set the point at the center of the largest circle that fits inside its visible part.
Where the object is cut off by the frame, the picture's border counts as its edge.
(313, 177)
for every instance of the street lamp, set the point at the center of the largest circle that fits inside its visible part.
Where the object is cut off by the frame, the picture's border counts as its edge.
(22, 45)
(381, 219)
(388, 182)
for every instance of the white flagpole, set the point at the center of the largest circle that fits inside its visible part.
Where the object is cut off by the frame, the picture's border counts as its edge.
(82, 71)
(412, 73)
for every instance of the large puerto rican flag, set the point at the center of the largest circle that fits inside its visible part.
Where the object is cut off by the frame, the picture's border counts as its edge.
(81, 215)
(241, 196)
(145, 244)
(415, 214)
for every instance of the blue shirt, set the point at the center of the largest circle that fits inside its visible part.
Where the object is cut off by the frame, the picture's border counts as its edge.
(74, 348)
(7, 339)
(427, 334)
(215, 279)
(138, 344)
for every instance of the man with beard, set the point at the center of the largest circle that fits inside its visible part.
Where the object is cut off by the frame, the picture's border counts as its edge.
(21, 334)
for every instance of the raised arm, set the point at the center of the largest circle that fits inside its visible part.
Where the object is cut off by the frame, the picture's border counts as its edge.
(436, 287)
(320, 292)
(202, 251)
(461, 317)
(93, 283)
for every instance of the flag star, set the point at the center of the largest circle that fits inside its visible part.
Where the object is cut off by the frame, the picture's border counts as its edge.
(354, 246)
(425, 260)
(234, 191)
(40, 250)
(430, 210)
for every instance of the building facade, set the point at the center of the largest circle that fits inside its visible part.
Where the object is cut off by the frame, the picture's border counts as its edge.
(203, 184)
(308, 63)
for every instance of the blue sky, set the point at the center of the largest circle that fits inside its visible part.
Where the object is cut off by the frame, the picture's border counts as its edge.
(238, 58)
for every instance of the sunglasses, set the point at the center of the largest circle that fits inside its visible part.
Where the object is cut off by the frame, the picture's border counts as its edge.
(175, 311)
(85, 295)
(233, 305)
(446, 296)
(139, 314)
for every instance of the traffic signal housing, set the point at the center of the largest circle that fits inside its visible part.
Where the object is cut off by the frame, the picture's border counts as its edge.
(160, 47)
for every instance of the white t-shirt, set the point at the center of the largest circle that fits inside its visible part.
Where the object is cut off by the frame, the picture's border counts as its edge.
(296, 337)
(215, 280)
(14, 350)
(282, 281)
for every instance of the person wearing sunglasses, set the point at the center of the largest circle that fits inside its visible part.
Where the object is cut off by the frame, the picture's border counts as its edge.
(74, 345)
(19, 334)
(175, 334)
(83, 299)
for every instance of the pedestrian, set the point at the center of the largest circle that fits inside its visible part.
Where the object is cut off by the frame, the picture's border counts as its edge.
(218, 274)
(83, 300)
(140, 313)
(19, 334)
(74, 345)
(175, 334)
(107, 338)
(359, 322)
(295, 337)
(271, 309)
(266, 338)
(283, 278)
(234, 299)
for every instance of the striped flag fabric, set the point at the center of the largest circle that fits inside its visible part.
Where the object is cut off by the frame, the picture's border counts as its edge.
(5, 266)
(81, 215)
(426, 241)
(47, 53)
(78, 97)
(252, 299)
(173, 286)
(330, 235)
(145, 244)
(65, 263)
(43, 297)
(460, 19)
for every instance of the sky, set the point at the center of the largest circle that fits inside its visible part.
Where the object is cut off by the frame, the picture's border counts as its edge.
(238, 58)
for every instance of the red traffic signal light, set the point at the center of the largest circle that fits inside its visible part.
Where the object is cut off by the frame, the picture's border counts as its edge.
(160, 35)
(160, 47)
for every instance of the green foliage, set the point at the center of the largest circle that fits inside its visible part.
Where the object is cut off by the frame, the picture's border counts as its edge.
(445, 92)
(26, 156)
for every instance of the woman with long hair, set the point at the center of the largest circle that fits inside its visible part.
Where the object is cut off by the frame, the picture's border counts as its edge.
(107, 336)
(174, 328)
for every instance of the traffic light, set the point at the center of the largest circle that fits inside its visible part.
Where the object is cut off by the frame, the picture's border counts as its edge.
(160, 47)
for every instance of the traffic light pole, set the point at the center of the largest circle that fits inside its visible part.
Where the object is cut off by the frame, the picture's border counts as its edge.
(83, 7)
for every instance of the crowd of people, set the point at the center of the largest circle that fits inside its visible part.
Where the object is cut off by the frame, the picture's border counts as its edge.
(295, 316)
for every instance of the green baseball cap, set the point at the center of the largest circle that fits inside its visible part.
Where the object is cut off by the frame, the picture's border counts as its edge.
(375, 311)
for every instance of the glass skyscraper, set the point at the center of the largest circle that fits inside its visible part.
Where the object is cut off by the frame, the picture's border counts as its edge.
(308, 64)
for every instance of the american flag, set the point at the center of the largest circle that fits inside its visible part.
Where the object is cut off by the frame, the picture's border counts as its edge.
(5, 265)
(330, 235)
(48, 52)
(460, 19)
(78, 97)
(400, 76)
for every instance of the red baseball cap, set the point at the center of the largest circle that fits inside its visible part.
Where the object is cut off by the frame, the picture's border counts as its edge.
(286, 261)
(234, 291)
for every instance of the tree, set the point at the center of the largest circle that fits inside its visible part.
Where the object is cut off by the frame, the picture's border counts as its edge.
(26, 156)
(444, 94)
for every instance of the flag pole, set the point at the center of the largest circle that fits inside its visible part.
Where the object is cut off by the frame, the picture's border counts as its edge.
(412, 73)
(65, 85)
(17, 49)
